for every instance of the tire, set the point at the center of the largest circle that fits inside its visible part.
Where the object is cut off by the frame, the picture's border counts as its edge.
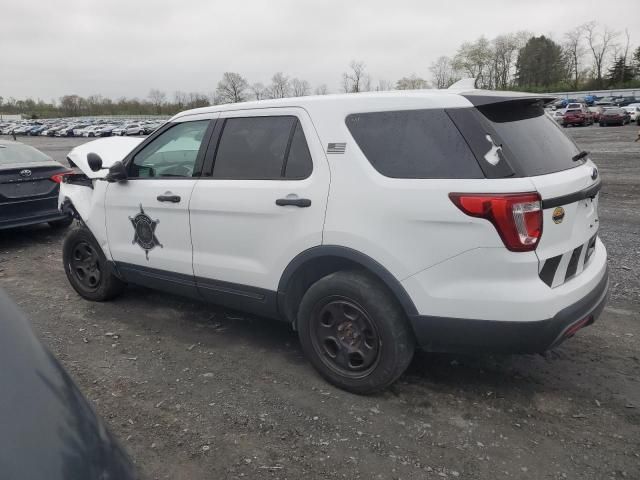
(87, 268)
(63, 223)
(354, 332)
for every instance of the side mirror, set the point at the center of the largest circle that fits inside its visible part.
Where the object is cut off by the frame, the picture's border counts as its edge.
(94, 161)
(117, 173)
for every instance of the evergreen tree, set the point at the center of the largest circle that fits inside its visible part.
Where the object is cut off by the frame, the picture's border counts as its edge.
(619, 73)
(540, 63)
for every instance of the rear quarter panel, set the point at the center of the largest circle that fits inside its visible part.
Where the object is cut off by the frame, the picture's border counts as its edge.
(407, 225)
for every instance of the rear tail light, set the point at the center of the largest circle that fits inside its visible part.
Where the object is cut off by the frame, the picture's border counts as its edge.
(57, 178)
(516, 216)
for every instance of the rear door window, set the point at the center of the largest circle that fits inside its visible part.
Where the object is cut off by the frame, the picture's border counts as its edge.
(413, 144)
(262, 148)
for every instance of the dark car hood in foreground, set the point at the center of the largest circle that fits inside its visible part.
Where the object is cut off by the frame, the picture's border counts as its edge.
(48, 430)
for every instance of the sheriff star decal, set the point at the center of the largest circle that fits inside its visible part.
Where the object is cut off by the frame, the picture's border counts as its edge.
(145, 231)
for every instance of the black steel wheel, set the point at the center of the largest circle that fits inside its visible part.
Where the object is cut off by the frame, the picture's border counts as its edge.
(87, 268)
(345, 338)
(354, 332)
(84, 265)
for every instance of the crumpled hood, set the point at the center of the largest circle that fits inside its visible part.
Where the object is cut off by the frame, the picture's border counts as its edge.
(110, 149)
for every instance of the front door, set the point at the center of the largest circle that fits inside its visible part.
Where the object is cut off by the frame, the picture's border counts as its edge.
(147, 216)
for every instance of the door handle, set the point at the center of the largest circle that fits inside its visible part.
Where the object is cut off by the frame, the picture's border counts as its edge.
(169, 198)
(296, 202)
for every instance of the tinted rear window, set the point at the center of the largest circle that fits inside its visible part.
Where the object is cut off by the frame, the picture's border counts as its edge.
(413, 144)
(532, 143)
(19, 153)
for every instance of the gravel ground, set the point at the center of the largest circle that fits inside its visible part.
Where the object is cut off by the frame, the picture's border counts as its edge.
(196, 392)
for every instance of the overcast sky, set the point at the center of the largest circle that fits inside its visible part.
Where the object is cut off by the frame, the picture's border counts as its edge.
(126, 47)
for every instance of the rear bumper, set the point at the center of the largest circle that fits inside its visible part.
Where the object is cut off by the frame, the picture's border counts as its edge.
(32, 220)
(469, 335)
(30, 212)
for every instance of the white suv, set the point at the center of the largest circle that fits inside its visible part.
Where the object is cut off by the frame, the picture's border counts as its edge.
(372, 223)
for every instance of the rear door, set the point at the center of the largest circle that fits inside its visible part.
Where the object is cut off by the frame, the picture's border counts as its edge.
(260, 203)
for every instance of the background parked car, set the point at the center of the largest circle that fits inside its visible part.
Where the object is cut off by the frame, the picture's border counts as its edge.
(580, 116)
(29, 186)
(595, 111)
(634, 111)
(134, 129)
(558, 116)
(624, 101)
(612, 116)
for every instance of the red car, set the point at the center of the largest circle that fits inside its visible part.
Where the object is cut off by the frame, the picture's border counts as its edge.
(577, 116)
(612, 116)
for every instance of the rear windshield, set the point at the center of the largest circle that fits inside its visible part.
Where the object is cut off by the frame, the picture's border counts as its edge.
(532, 143)
(19, 153)
(413, 144)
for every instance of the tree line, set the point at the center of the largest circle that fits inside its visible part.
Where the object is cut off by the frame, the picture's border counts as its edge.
(587, 57)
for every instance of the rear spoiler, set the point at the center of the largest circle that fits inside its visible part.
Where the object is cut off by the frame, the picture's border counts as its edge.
(481, 98)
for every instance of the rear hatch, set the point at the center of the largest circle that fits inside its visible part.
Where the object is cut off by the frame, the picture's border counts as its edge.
(527, 143)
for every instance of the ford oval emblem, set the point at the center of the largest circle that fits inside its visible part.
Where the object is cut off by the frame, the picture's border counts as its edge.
(594, 173)
(25, 173)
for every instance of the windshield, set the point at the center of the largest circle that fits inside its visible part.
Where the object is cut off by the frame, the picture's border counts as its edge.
(19, 153)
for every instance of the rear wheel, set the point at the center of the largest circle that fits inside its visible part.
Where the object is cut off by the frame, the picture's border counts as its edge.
(354, 333)
(87, 268)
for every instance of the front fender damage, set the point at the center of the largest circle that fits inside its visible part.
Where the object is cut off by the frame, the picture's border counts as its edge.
(86, 204)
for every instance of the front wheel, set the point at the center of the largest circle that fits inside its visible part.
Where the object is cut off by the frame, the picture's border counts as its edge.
(354, 332)
(87, 268)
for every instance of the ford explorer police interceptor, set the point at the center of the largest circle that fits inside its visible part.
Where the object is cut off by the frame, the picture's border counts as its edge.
(374, 223)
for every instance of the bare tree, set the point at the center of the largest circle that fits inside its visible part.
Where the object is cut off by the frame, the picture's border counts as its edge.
(600, 44)
(321, 90)
(444, 72)
(412, 83)
(384, 86)
(197, 100)
(357, 80)
(259, 91)
(300, 88)
(179, 99)
(232, 88)
(476, 60)
(157, 99)
(625, 55)
(280, 86)
(504, 49)
(574, 50)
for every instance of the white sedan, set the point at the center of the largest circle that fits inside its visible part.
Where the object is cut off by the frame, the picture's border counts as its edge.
(634, 110)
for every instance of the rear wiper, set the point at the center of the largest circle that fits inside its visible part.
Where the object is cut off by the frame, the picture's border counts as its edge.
(580, 156)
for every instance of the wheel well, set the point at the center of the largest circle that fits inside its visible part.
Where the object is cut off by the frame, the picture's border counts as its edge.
(299, 276)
